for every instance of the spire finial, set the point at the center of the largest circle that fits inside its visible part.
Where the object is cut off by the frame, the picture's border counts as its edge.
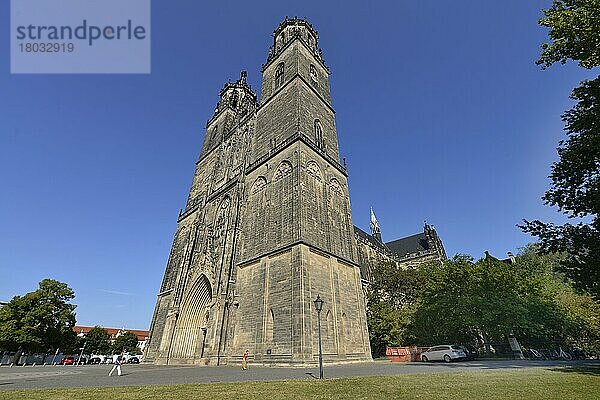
(375, 230)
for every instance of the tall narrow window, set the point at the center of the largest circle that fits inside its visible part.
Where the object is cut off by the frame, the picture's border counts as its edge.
(270, 323)
(214, 133)
(313, 75)
(319, 134)
(234, 100)
(279, 76)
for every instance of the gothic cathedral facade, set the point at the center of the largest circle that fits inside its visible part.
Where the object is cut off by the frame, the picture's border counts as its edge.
(267, 227)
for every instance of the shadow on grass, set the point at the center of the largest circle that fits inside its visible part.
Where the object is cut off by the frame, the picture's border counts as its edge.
(579, 369)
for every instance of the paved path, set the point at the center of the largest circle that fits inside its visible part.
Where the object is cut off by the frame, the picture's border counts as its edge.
(142, 375)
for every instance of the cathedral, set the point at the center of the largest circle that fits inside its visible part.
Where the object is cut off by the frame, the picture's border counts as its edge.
(267, 228)
(408, 252)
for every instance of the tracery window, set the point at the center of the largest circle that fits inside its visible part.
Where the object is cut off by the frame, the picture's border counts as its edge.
(336, 187)
(259, 185)
(319, 134)
(285, 168)
(313, 74)
(313, 170)
(279, 75)
(234, 100)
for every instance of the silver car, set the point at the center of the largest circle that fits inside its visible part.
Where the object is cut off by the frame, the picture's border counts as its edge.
(443, 353)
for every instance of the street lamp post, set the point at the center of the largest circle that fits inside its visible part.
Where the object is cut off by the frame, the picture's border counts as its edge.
(319, 306)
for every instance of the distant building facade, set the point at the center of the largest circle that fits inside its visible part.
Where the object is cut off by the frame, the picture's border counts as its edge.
(142, 336)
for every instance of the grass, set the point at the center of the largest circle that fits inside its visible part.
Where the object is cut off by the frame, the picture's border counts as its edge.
(535, 383)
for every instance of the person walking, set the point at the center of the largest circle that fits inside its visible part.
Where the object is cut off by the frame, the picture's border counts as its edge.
(245, 361)
(117, 365)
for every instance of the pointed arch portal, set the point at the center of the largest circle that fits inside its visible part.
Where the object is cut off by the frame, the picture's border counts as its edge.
(188, 333)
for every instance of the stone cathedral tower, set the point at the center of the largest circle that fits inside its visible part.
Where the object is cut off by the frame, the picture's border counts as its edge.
(266, 228)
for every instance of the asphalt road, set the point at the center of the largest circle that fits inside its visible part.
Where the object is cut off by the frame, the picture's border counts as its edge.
(143, 375)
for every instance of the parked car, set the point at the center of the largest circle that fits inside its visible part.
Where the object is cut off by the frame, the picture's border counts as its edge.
(470, 352)
(97, 359)
(68, 361)
(445, 353)
(81, 361)
(132, 358)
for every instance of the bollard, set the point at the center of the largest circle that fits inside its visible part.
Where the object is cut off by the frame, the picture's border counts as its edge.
(33, 365)
(11, 364)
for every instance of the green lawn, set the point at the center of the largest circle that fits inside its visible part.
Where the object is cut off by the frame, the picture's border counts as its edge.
(538, 383)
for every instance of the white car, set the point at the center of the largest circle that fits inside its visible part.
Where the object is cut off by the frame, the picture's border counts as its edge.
(97, 359)
(445, 353)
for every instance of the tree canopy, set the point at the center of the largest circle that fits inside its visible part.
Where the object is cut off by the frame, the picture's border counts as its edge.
(126, 342)
(575, 177)
(40, 321)
(574, 33)
(97, 341)
(478, 303)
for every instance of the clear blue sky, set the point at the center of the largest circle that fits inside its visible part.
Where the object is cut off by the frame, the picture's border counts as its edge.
(441, 113)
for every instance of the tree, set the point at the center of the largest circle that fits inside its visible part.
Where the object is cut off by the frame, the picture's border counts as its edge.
(40, 321)
(575, 177)
(483, 302)
(126, 342)
(470, 303)
(97, 341)
(574, 31)
(391, 297)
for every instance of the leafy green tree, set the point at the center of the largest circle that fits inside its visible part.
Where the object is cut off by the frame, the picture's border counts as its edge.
(97, 341)
(575, 177)
(40, 321)
(466, 302)
(483, 302)
(574, 31)
(478, 303)
(126, 342)
(391, 297)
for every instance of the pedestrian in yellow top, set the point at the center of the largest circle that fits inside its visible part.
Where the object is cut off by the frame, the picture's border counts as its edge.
(245, 361)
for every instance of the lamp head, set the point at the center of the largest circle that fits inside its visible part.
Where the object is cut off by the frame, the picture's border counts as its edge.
(319, 303)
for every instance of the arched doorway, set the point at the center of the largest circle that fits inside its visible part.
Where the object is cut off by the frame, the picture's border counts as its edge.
(188, 333)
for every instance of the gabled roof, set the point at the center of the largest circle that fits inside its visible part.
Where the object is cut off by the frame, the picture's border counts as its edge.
(409, 245)
(364, 235)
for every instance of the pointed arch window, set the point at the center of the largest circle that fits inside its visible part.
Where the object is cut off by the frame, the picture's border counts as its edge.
(313, 170)
(313, 75)
(214, 134)
(329, 320)
(259, 185)
(284, 169)
(336, 187)
(279, 75)
(270, 326)
(319, 134)
(234, 100)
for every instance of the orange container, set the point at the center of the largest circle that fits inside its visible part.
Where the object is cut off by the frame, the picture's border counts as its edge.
(404, 354)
